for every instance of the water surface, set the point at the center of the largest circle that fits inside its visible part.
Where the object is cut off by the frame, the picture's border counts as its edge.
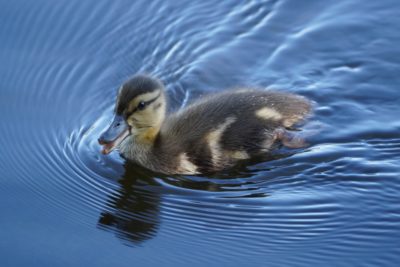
(334, 203)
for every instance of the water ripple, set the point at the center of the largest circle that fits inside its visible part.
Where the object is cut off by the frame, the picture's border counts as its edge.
(335, 199)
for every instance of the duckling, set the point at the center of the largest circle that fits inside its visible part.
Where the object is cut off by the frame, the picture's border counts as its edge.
(209, 135)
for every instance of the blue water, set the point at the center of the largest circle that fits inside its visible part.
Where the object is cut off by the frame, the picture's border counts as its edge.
(334, 203)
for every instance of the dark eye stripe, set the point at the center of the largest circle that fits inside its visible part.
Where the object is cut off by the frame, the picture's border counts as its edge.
(146, 103)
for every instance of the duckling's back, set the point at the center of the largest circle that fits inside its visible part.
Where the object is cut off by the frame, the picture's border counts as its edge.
(216, 131)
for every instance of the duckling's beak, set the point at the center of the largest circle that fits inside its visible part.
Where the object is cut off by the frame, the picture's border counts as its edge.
(114, 135)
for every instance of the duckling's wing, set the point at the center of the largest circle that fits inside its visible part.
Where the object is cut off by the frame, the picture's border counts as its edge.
(247, 106)
(240, 122)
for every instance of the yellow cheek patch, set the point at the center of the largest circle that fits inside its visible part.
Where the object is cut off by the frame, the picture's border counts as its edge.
(130, 121)
(268, 113)
(149, 135)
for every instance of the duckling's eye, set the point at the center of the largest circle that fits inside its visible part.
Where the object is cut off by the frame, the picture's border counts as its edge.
(141, 105)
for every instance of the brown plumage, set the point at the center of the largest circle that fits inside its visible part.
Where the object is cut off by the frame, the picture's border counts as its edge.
(211, 134)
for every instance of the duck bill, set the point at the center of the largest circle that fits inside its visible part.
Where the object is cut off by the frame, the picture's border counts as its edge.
(114, 135)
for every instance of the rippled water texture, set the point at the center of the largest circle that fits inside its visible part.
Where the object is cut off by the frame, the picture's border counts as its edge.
(335, 203)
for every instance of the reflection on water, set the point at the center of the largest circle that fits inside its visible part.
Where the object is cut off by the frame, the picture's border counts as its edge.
(134, 213)
(334, 202)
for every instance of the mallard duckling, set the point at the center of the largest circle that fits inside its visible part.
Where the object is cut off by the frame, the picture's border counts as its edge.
(210, 135)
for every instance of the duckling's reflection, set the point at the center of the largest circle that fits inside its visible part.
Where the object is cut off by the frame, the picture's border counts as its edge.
(133, 214)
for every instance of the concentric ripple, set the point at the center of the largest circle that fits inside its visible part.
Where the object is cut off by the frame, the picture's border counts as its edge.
(334, 202)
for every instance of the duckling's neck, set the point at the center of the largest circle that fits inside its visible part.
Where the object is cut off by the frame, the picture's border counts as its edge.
(139, 147)
(141, 143)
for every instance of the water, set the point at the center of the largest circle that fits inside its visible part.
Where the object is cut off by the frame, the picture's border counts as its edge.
(334, 203)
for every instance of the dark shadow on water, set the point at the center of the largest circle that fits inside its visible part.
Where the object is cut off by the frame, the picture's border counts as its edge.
(133, 214)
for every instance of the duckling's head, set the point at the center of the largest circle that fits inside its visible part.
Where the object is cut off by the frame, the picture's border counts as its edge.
(139, 111)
